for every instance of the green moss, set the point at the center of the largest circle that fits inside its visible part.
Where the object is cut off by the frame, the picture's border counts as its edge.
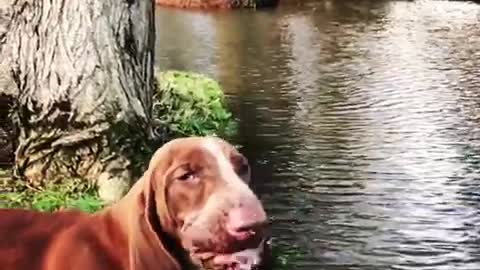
(191, 104)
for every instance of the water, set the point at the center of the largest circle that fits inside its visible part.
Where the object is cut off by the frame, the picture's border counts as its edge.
(361, 119)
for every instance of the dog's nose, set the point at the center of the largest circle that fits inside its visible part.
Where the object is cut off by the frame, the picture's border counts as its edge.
(245, 221)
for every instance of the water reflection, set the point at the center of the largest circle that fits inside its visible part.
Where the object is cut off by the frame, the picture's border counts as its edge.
(363, 118)
(183, 29)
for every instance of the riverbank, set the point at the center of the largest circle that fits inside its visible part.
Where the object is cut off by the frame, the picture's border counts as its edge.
(184, 104)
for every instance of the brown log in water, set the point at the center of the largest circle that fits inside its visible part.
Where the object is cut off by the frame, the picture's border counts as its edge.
(217, 4)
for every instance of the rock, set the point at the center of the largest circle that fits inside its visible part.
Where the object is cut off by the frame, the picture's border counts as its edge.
(115, 181)
(112, 188)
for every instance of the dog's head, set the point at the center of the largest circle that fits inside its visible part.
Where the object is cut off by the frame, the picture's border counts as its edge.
(197, 189)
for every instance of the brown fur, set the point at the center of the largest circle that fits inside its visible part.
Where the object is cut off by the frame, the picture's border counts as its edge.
(176, 209)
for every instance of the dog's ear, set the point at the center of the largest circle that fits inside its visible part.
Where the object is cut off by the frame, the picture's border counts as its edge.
(150, 246)
(155, 191)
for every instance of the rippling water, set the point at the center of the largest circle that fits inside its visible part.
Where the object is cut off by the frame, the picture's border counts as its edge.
(362, 119)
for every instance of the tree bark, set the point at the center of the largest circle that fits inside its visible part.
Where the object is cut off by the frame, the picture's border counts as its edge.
(8, 91)
(84, 76)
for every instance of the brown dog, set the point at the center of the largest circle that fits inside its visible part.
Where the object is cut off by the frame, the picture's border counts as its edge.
(192, 208)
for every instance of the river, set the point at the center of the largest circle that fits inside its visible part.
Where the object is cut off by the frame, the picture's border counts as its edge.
(361, 120)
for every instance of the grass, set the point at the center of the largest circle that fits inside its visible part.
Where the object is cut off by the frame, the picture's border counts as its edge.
(70, 194)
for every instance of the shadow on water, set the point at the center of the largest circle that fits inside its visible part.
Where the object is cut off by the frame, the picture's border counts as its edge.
(362, 119)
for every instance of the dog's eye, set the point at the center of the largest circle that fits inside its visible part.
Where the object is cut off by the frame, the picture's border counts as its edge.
(187, 176)
(243, 169)
(240, 164)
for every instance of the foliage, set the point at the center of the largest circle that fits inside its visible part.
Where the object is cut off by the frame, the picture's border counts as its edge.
(191, 104)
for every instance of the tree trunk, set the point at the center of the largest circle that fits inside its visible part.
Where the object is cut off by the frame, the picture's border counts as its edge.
(83, 70)
(7, 92)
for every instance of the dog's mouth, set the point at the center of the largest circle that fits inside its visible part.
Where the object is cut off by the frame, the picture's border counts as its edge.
(246, 259)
